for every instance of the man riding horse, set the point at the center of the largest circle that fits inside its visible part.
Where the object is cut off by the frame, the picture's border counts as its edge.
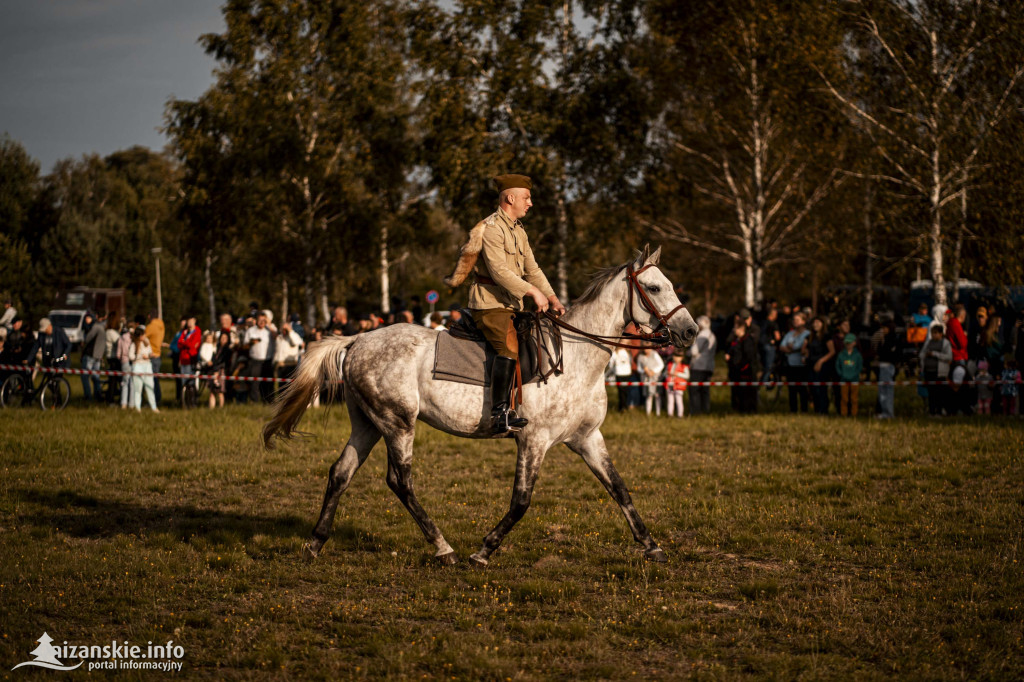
(503, 278)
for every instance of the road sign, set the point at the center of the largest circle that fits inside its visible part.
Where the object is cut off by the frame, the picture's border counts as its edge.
(432, 296)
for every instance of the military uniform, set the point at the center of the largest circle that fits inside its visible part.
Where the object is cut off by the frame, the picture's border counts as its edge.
(502, 279)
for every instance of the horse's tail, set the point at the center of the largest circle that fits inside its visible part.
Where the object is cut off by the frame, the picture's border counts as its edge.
(322, 364)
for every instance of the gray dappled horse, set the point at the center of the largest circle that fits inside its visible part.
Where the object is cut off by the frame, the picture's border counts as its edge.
(388, 386)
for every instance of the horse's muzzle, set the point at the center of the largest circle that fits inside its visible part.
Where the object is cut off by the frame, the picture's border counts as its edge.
(686, 337)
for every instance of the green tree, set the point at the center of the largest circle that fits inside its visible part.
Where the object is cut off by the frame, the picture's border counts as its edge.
(536, 87)
(95, 222)
(300, 147)
(745, 151)
(937, 79)
(19, 189)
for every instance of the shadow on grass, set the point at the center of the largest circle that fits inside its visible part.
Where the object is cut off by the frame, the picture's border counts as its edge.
(86, 516)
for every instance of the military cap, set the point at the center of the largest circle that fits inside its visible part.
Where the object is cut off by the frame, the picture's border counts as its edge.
(504, 182)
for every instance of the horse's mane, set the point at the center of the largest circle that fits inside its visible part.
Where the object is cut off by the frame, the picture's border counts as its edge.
(601, 279)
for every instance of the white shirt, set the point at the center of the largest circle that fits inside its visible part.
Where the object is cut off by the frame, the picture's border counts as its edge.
(288, 348)
(652, 362)
(144, 352)
(206, 352)
(7, 320)
(622, 361)
(258, 351)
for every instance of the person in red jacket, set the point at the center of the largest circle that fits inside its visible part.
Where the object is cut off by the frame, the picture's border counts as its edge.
(188, 346)
(955, 318)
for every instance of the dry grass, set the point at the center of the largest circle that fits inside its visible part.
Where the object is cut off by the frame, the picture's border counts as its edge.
(798, 546)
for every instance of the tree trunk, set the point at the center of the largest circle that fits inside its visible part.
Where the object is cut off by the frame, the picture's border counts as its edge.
(814, 287)
(561, 249)
(385, 281)
(758, 286)
(935, 237)
(208, 282)
(325, 312)
(711, 294)
(284, 300)
(958, 246)
(869, 265)
(307, 294)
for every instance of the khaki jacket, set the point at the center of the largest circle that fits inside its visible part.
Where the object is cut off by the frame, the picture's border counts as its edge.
(506, 258)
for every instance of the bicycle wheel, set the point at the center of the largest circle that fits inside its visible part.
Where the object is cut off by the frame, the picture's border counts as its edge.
(13, 388)
(54, 394)
(188, 395)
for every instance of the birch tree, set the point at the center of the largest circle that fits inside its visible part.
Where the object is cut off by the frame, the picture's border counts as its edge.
(741, 129)
(294, 149)
(937, 79)
(525, 87)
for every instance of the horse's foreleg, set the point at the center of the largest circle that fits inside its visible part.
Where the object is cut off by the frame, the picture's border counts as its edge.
(527, 468)
(594, 452)
(400, 481)
(364, 436)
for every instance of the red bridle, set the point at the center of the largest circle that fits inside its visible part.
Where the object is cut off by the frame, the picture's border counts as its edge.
(658, 338)
(645, 301)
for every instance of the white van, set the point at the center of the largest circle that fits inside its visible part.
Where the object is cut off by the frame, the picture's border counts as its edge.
(71, 321)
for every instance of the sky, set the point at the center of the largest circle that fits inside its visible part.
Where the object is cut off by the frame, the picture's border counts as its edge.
(83, 76)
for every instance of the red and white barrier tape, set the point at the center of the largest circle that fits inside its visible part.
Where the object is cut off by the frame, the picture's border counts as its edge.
(773, 384)
(767, 384)
(117, 373)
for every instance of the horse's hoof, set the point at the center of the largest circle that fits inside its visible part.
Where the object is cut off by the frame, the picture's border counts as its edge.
(656, 555)
(308, 553)
(477, 561)
(449, 559)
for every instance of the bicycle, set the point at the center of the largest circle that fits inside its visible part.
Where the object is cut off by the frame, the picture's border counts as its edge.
(53, 392)
(192, 390)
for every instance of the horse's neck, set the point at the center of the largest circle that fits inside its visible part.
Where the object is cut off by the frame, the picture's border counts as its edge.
(601, 316)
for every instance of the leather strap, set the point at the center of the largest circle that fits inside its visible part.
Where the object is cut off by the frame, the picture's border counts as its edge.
(484, 279)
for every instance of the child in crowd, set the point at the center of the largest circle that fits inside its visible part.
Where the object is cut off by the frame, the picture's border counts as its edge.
(1010, 387)
(677, 377)
(984, 384)
(650, 365)
(935, 356)
(207, 349)
(849, 364)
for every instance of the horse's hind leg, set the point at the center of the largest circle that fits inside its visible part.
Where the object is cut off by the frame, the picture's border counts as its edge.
(364, 436)
(592, 449)
(400, 481)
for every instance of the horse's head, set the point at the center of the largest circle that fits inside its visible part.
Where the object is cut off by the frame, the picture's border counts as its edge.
(653, 300)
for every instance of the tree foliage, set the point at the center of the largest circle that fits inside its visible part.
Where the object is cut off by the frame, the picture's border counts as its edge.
(782, 150)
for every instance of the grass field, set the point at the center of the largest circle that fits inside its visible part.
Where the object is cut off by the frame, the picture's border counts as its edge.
(798, 546)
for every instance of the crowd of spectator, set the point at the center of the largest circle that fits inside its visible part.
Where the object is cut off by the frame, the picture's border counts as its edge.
(235, 351)
(971, 365)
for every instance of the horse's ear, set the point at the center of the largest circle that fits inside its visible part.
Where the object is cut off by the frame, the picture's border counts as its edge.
(654, 257)
(641, 256)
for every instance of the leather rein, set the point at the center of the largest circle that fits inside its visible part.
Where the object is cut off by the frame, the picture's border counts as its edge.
(658, 338)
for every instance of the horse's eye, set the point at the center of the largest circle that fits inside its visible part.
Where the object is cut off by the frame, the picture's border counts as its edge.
(654, 289)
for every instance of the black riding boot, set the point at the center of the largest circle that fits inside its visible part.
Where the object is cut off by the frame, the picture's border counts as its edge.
(503, 419)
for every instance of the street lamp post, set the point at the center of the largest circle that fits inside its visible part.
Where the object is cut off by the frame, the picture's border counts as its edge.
(159, 295)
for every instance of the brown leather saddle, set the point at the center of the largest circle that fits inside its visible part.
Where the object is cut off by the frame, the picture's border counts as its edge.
(465, 327)
(540, 350)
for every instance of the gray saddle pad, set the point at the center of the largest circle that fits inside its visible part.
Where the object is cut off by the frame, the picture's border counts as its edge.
(469, 362)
